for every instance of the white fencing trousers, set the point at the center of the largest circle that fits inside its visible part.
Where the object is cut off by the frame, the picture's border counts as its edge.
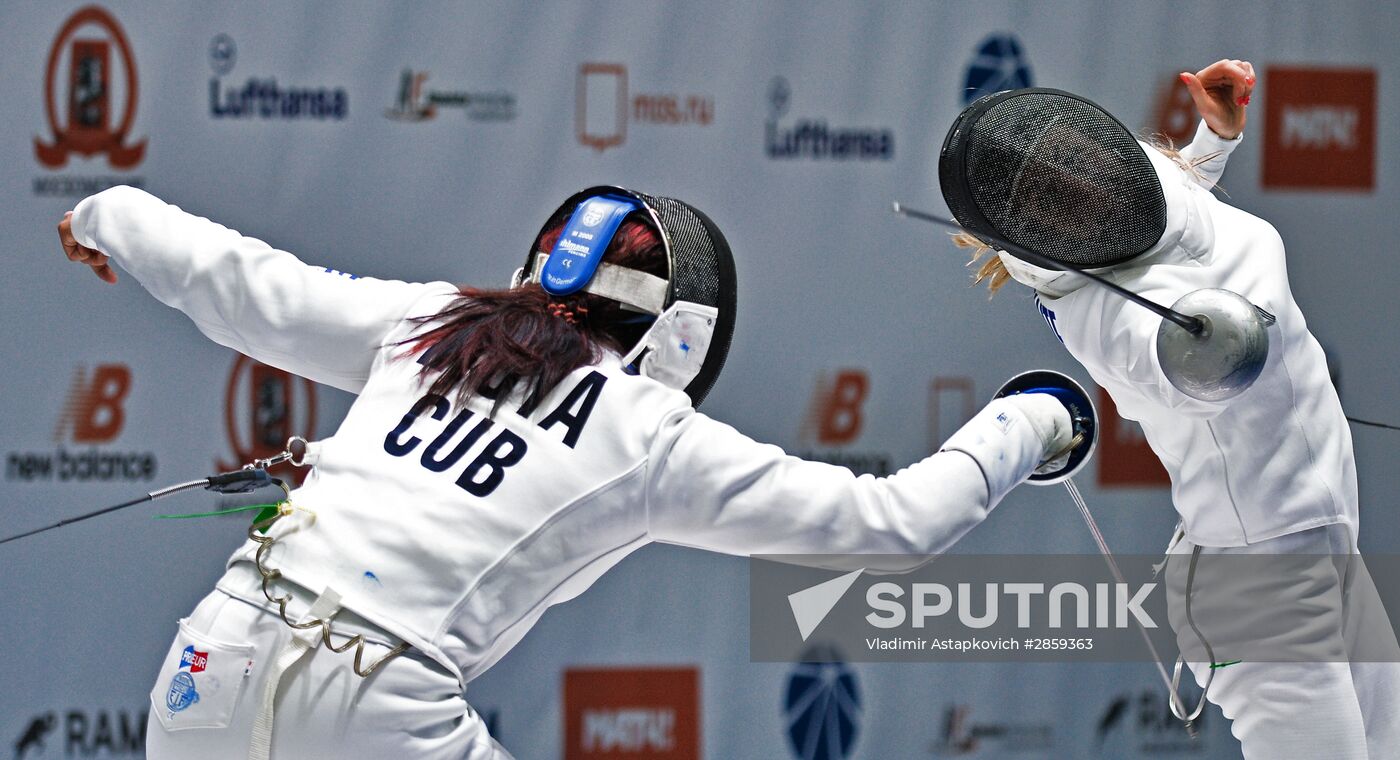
(410, 707)
(303, 640)
(1307, 710)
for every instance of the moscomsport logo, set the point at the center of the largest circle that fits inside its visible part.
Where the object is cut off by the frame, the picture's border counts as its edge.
(263, 407)
(91, 91)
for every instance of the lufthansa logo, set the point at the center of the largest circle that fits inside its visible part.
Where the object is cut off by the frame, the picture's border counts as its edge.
(779, 95)
(223, 54)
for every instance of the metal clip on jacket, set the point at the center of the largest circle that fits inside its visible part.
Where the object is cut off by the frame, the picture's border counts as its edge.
(259, 533)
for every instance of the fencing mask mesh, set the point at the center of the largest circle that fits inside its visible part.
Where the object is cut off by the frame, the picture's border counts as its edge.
(694, 306)
(1054, 173)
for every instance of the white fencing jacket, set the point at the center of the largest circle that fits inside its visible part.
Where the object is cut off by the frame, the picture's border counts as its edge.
(1275, 460)
(454, 529)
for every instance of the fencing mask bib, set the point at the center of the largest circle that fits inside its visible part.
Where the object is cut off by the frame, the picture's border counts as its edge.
(686, 346)
(1055, 173)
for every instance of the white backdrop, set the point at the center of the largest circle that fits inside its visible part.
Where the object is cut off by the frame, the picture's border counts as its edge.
(724, 105)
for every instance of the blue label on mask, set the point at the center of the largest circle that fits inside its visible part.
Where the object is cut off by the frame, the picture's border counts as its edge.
(580, 248)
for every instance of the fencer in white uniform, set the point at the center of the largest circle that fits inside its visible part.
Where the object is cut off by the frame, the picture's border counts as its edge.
(451, 528)
(1269, 471)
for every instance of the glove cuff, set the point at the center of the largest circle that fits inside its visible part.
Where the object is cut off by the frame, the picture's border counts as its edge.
(1005, 442)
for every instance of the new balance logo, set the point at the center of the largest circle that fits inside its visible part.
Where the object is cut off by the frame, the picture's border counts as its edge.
(93, 410)
(835, 416)
(93, 414)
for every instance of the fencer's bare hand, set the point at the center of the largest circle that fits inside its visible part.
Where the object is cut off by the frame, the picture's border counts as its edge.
(82, 254)
(1221, 92)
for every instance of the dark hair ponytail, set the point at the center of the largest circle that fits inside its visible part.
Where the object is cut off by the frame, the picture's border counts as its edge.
(506, 337)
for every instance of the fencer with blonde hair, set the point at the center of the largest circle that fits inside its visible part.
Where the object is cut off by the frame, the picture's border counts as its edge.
(1268, 471)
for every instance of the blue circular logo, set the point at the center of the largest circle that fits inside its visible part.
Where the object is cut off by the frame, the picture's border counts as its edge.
(181, 694)
(222, 54)
(1000, 64)
(779, 95)
(822, 707)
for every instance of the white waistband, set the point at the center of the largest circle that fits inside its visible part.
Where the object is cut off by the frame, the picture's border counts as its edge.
(243, 582)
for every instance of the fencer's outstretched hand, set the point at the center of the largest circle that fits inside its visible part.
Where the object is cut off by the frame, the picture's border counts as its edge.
(82, 254)
(1221, 92)
(1052, 424)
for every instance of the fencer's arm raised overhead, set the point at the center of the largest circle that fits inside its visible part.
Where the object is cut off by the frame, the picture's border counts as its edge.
(1221, 92)
(240, 291)
(1122, 340)
(711, 487)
